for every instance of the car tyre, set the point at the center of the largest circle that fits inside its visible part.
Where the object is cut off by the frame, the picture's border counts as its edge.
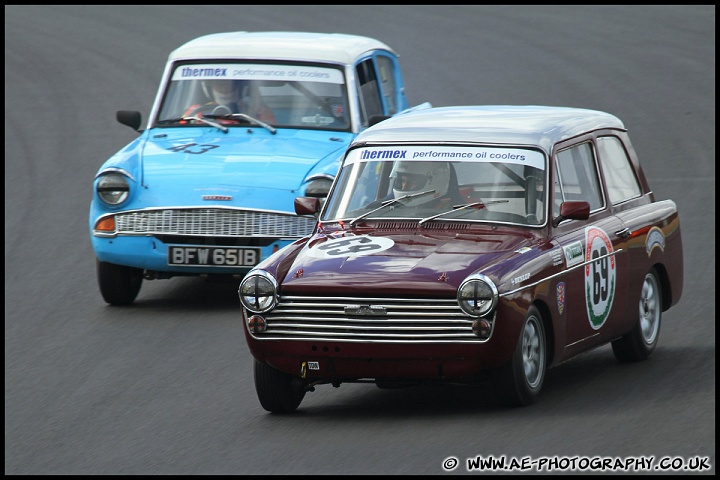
(119, 285)
(641, 341)
(519, 382)
(277, 391)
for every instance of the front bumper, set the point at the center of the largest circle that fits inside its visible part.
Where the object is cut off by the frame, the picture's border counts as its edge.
(149, 253)
(444, 360)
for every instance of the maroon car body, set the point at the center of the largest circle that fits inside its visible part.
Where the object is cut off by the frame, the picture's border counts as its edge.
(539, 239)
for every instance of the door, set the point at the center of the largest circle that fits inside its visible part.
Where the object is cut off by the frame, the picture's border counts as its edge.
(594, 253)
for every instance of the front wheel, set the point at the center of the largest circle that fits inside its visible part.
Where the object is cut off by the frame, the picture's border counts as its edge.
(119, 285)
(640, 342)
(519, 382)
(277, 391)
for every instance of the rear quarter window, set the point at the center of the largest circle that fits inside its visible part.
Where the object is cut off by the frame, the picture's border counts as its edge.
(620, 177)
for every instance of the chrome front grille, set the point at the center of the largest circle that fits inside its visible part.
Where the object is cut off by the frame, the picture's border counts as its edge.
(355, 319)
(213, 222)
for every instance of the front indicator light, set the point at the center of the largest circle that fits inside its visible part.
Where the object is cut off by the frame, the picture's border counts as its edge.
(257, 324)
(106, 225)
(481, 328)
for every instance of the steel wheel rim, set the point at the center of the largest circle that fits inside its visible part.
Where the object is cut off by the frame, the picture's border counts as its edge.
(649, 309)
(533, 352)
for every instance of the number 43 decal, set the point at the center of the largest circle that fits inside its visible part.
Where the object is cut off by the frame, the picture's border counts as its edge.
(351, 246)
(190, 148)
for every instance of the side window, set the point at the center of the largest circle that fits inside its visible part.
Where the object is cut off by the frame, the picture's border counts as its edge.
(387, 81)
(369, 91)
(619, 175)
(576, 177)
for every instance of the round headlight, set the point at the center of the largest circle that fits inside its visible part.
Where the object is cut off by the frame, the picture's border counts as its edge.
(318, 187)
(113, 188)
(477, 295)
(258, 292)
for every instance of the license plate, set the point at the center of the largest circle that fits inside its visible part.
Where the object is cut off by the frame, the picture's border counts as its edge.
(213, 256)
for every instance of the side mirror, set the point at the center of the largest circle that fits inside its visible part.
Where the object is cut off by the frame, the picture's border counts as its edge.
(375, 119)
(572, 211)
(307, 205)
(131, 118)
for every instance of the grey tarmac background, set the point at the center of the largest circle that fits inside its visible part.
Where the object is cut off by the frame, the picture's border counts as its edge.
(165, 386)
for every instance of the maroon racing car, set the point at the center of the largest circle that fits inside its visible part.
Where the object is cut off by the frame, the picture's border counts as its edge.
(466, 245)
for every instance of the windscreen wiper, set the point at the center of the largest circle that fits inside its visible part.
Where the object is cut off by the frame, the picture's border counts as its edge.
(204, 120)
(248, 118)
(388, 203)
(476, 205)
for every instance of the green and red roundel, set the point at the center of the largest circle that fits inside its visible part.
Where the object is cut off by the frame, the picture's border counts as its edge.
(600, 275)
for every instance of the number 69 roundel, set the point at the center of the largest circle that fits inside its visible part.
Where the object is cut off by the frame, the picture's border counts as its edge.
(600, 273)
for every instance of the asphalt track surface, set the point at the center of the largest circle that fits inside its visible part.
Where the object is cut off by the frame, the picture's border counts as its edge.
(165, 386)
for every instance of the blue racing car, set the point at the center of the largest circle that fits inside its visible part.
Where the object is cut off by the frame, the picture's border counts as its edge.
(243, 123)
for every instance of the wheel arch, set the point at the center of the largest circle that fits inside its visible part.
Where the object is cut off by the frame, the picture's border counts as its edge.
(665, 285)
(546, 318)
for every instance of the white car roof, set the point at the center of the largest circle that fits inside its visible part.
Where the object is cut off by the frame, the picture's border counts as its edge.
(540, 126)
(300, 46)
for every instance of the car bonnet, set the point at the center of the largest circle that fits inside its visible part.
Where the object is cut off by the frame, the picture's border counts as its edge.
(398, 262)
(205, 158)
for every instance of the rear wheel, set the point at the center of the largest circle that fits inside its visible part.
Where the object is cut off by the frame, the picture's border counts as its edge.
(277, 391)
(640, 342)
(519, 382)
(119, 285)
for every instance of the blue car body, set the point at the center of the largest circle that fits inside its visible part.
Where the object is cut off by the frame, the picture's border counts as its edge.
(211, 192)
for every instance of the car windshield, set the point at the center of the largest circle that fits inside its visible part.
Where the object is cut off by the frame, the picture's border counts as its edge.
(281, 95)
(485, 184)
